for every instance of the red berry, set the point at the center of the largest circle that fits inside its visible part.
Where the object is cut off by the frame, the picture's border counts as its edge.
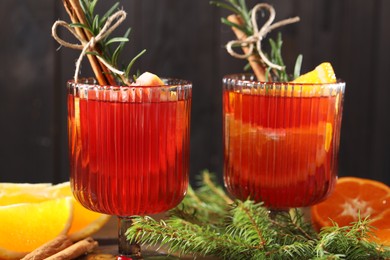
(123, 257)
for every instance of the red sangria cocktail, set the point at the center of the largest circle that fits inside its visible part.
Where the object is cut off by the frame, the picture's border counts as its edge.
(281, 140)
(129, 146)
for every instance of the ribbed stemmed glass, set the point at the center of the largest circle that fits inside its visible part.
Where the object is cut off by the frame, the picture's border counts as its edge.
(281, 140)
(129, 148)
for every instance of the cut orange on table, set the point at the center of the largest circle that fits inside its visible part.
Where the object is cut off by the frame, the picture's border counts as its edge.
(85, 222)
(9, 188)
(81, 222)
(26, 226)
(22, 197)
(351, 197)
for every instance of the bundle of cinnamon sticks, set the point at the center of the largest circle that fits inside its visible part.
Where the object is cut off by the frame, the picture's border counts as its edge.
(76, 14)
(253, 59)
(62, 248)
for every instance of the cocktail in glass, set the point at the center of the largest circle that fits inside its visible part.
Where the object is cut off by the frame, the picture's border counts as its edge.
(129, 148)
(281, 140)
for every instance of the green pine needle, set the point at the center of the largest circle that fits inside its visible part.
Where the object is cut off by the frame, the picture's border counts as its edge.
(209, 223)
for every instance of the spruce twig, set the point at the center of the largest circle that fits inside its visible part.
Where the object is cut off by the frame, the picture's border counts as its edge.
(205, 224)
(217, 190)
(208, 204)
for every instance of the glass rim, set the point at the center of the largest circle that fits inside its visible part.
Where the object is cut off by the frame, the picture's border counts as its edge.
(93, 83)
(238, 79)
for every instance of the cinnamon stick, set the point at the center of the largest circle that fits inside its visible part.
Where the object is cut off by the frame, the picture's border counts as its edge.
(79, 248)
(81, 17)
(77, 15)
(253, 60)
(50, 248)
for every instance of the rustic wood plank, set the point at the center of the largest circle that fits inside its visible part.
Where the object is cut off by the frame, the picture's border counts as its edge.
(181, 39)
(27, 95)
(380, 149)
(355, 65)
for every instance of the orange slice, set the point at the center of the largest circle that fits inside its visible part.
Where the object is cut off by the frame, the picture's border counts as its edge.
(8, 187)
(259, 141)
(22, 197)
(351, 197)
(323, 73)
(85, 222)
(27, 226)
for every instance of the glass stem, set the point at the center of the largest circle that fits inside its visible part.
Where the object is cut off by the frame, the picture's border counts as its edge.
(126, 247)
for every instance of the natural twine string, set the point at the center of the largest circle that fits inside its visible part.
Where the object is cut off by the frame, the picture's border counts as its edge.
(259, 35)
(86, 46)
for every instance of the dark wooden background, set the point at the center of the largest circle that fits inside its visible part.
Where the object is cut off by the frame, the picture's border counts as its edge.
(184, 39)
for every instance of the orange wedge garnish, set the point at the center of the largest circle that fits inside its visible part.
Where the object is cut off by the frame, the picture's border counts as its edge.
(323, 73)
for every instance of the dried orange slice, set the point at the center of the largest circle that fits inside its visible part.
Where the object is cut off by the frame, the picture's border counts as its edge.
(323, 73)
(353, 196)
(26, 226)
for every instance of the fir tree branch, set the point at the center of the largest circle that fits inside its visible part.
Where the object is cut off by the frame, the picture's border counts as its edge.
(248, 221)
(205, 224)
(207, 204)
(217, 190)
(293, 220)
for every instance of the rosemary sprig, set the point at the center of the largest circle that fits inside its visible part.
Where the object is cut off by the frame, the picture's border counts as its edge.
(239, 8)
(93, 24)
(206, 224)
(276, 57)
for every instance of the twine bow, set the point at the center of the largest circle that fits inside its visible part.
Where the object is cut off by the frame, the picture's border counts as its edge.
(86, 46)
(259, 35)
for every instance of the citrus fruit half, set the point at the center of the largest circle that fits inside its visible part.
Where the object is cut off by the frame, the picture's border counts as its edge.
(354, 197)
(9, 188)
(85, 222)
(27, 226)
